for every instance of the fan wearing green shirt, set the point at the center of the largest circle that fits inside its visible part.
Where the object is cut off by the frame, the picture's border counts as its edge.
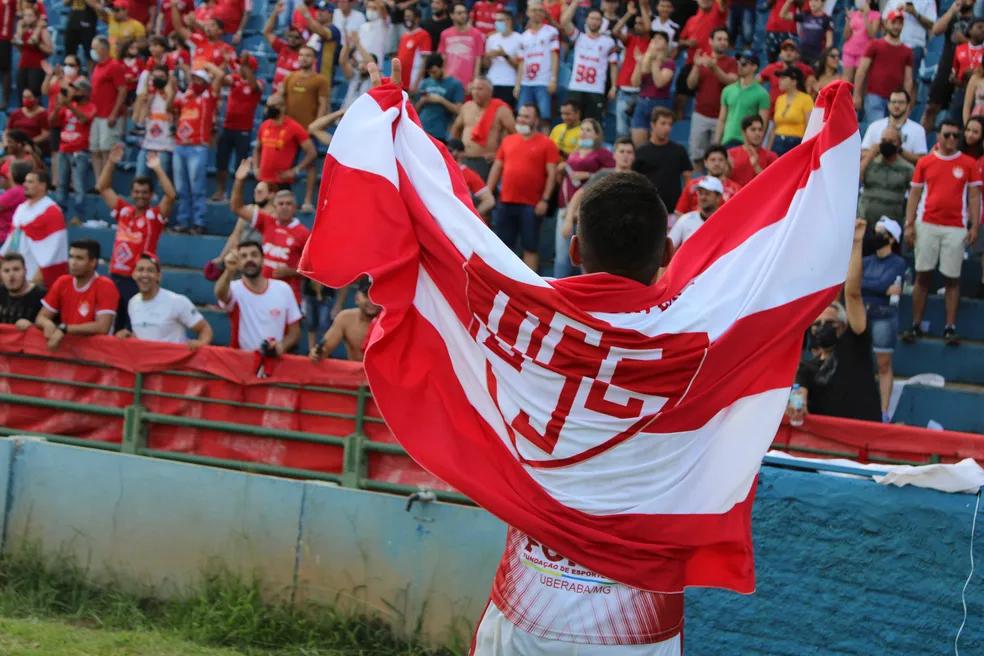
(744, 97)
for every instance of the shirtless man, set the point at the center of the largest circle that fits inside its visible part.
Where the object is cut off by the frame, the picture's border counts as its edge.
(480, 153)
(350, 327)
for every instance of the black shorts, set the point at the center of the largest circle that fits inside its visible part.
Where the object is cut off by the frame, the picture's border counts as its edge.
(6, 56)
(592, 105)
(681, 83)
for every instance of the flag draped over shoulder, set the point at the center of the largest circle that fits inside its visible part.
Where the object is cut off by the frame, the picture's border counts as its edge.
(622, 425)
(39, 234)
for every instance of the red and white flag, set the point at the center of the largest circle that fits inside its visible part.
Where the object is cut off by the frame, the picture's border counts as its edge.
(622, 425)
(39, 234)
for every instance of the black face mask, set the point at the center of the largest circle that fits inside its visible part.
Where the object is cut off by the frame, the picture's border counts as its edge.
(888, 149)
(159, 83)
(879, 240)
(273, 112)
(825, 336)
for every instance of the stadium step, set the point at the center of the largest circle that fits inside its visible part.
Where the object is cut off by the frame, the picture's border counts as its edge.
(970, 316)
(174, 250)
(957, 364)
(959, 408)
(219, 321)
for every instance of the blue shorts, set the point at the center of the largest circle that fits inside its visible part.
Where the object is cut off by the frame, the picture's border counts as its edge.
(884, 332)
(513, 220)
(642, 115)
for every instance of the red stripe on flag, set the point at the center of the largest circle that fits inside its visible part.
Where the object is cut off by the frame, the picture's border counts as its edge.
(45, 224)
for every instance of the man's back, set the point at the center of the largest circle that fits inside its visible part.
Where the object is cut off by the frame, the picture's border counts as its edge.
(663, 164)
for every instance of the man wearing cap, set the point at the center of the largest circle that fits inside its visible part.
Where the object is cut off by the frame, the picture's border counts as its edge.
(325, 39)
(160, 315)
(710, 194)
(885, 178)
(73, 114)
(743, 97)
(885, 66)
(245, 92)
(789, 57)
(108, 95)
(912, 133)
(918, 18)
(193, 135)
(881, 275)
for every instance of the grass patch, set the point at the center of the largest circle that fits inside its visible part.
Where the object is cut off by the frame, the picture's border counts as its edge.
(224, 611)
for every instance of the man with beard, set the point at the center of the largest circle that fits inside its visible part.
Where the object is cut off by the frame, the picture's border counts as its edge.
(439, 21)
(20, 301)
(482, 123)
(161, 315)
(265, 316)
(912, 133)
(885, 66)
(716, 166)
(287, 49)
(595, 62)
(710, 193)
(351, 327)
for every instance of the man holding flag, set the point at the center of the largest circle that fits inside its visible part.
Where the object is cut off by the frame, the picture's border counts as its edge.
(615, 421)
(39, 233)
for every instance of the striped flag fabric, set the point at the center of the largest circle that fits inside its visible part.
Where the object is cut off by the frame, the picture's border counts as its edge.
(623, 425)
(39, 234)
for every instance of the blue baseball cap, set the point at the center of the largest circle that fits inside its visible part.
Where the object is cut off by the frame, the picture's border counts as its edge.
(747, 55)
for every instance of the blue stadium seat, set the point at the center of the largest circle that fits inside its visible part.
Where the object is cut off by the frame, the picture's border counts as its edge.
(962, 364)
(970, 316)
(954, 409)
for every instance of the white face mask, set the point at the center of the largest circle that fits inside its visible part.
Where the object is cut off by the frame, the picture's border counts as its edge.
(70, 71)
(372, 14)
(523, 129)
(861, 4)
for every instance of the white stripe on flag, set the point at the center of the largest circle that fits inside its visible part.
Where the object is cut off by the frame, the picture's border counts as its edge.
(361, 148)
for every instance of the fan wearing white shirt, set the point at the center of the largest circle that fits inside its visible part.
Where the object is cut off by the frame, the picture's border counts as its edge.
(160, 315)
(710, 193)
(501, 57)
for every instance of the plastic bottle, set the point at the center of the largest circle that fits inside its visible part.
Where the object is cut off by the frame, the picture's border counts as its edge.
(893, 300)
(907, 281)
(796, 405)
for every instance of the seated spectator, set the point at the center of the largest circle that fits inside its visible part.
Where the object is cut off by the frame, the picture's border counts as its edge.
(138, 224)
(881, 287)
(539, 61)
(716, 165)
(351, 327)
(941, 225)
(912, 133)
(13, 195)
(885, 179)
(19, 147)
(664, 162)
(80, 302)
(743, 98)
(196, 107)
(481, 194)
(278, 141)
(838, 377)
(264, 312)
(31, 119)
(653, 75)
(566, 135)
(245, 93)
(792, 112)
(710, 194)
(160, 315)
(20, 300)
(462, 46)
(320, 306)
(711, 72)
(482, 124)
(439, 98)
(750, 158)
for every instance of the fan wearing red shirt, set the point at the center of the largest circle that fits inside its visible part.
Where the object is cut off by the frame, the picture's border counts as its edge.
(414, 45)
(697, 31)
(483, 15)
(526, 162)
(635, 42)
(287, 49)
(942, 218)
(245, 92)
(206, 38)
(789, 56)
(34, 42)
(885, 66)
(80, 302)
(750, 159)
(8, 24)
(164, 24)
(138, 224)
(283, 235)
(708, 76)
(967, 56)
(716, 165)
(196, 118)
(779, 30)
(277, 142)
(73, 114)
(109, 96)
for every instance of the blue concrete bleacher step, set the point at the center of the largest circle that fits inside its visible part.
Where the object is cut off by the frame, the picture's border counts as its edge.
(970, 316)
(955, 408)
(957, 364)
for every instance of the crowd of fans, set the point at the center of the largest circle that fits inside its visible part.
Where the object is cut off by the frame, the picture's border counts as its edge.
(535, 100)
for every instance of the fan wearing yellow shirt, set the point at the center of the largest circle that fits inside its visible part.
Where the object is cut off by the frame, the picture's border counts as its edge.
(566, 134)
(791, 112)
(121, 26)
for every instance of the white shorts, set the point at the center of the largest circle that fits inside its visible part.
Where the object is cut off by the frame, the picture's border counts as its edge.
(497, 636)
(102, 138)
(940, 245)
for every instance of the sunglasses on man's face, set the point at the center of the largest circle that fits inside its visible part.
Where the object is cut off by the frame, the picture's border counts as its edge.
(949, 135)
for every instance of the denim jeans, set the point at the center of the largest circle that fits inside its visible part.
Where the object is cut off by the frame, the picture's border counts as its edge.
(741, 26)
(535, 95)
(875, 108)
(189, 181)
(624, 105)
(74, 167)
(563, 267)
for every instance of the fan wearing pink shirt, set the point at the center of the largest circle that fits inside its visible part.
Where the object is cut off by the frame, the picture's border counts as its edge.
(462, 46)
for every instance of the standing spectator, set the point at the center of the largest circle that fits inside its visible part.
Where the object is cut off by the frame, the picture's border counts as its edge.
(885, 66)
(664, 162)
(743, 98)
(278, 141)
(8, 25)
(708, 76)
(205, 36)
(34, 42)
(624, 157)
(484, 13)
(789, 57)
(708, 192)
(595, 62)
(974, 95)
(828, 70)
(919, 16)
(134, 64)
(966, 59)
(352, 327)
(885, 179)
(861, 27)
(355, 61)
(80, 302)
(73, 116)
(263, 201)
(778, 30)
(462, 46)
(265, 316)
(633, 31)
(287, 49)
(31, 119)
(716, 164)
(326, 39)
(699, 29)
(80, 28)
(154, 111)
(815, 28)
(38, 232)
(566, 135)
(527, 165)
(653, 76)
(663, 22)
(13, 195)
(138, 224)
(196, 117)
(122, 28)
(245, 92)
(913, 134)
(439, 20)
(375, 34)
(953, 26)
(941, 225)
(347, 19)
(590, 157)
(164, 25)
(20, 299)
(414, 46)
(108, 95)
(482, 123)
(502, 57)
(440, 98)
(481, 194)
(160, 315)
(283, 235)
(305, 99)
(792, 112)
(539, 58)
(880, 273)
(750, 158)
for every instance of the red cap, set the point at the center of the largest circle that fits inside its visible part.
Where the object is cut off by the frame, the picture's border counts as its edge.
(788, 42)
(121, 4)
(894, 16)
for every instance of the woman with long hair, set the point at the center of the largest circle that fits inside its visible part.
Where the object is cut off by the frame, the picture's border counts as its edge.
(974, 96)
(828, 69)
(972, 142)
(792, 111)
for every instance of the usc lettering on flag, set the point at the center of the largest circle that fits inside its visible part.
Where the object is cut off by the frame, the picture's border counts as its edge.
(621, 424)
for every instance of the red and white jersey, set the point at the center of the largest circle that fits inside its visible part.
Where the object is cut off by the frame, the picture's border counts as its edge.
(282, 244)
(255, 318)
(549, 596)
(75, 305)
(535, 49)
(946, 179)
(591, 58)
(136, 233)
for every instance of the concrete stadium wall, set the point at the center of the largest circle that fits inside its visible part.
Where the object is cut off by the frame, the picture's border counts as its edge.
(845, 566)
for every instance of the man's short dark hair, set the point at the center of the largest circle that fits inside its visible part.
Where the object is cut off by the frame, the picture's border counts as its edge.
(250, 243)
(948, 121)
(152, 259)
(143, 181)
(569, 103)
(454, 5)
(622, 227)
(720, 29)
(13, 257)
(623, 141)
(414, 9)
(751, 119)
(908, 98)
(434, 59)
(716, 148)
(18, 137)
(42, 177)
(90, 246)
(19, 170)
(535, 109)
(661, 112)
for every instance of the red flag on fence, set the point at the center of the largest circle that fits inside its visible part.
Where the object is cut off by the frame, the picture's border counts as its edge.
(623, 425)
